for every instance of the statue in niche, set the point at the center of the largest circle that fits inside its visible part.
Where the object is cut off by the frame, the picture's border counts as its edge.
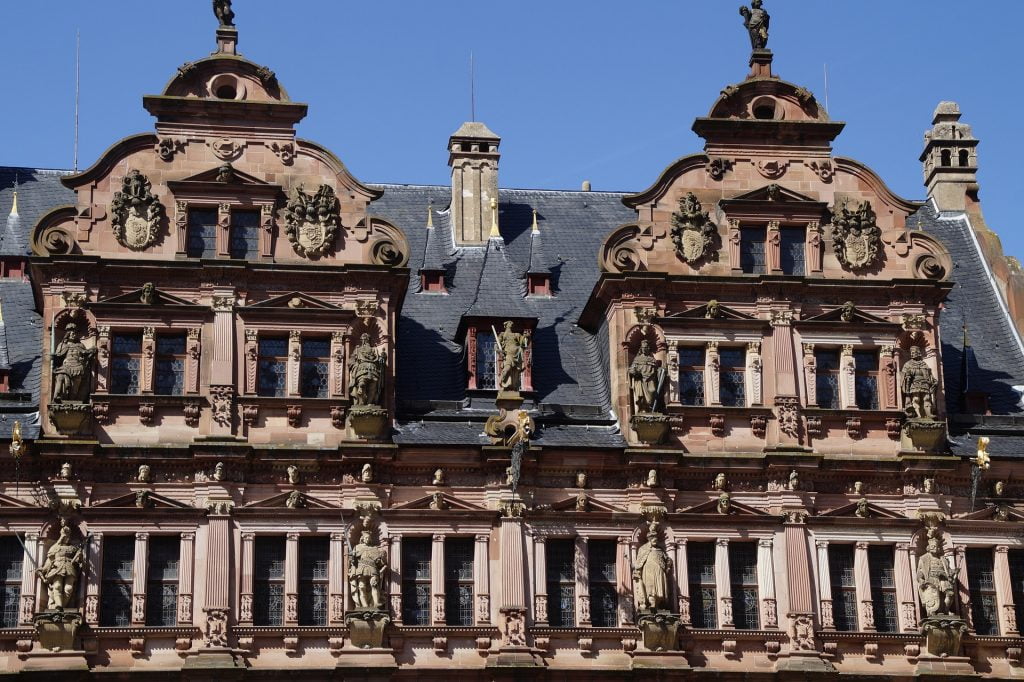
(692, 230)
(756, 20)
(855, 235)
(368, 563)
(646, 380)
(148, 294)
(650, 573)
(135, 212)
(222, 10)
(918, 384)
(934, 579)
(60, 570)
(73, 367)
(365, 373)
(512, 353)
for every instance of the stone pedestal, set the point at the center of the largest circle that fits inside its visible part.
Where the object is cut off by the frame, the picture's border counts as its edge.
(948, 667)
(369, 657)
(761, 63)
(369, 421)
(509, 400)
(650, 427)
(923, 435)
(943, 634)
(660, 630)
(227, 40)
(367, 629)
(57, 630)
(69, 418)
(213, 664)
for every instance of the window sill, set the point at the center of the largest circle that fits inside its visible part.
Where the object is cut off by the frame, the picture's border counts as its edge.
(132, 398)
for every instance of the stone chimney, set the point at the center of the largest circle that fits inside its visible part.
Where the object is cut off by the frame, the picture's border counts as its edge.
(950, 160)
(473, 156)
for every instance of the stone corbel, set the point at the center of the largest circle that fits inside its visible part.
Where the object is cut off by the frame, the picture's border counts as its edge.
(294, 416)
(813, 254)
(103, 359)
(294, 361)
(847, 378)
(712, 376)
(147, 413)
(193, 351)
(250, 413)
(853, 427)
(337, 368)
(251, 360)
(754, 373)
(181, 227)
(758, 425)
(148, 353)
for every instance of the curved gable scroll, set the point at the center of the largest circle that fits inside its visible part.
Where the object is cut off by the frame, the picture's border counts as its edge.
(388, 245)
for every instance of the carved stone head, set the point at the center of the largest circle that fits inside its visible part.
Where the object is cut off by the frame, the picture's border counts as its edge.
(719, 482)
(65, 470)
(293, 474)
(999, 488)
(652, 476)
(724, 503)
(366, 475)
(581, 479)
(144, 474)
(439, 477)
(218, 472)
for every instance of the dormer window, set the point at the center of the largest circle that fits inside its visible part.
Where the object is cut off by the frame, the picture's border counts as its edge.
(486, 377)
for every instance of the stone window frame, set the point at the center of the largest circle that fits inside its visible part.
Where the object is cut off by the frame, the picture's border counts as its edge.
(264, 203)
(294, 332)
(107, 327)
(6, 581)
(713, 340)
(886, 345)
(1000, 544)
(496, 324)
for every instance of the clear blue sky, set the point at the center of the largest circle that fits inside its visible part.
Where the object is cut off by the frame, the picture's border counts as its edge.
(596, 90)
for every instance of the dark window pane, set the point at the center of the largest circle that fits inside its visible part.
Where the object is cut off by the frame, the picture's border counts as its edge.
(315, 368)
(732, 391)
(272, 371)
(691, 387)
(743, 584)
(791, 246)
(601, 561)
(170, 344)
(270, 553)
(416, 581)
(126, 350)
(1016, 560)
(826, 360)
(11, 560)
(116, 587)
(118, 557)
(268, 603)
(561, 582)
(601, 572)
(314, 556)
(691, 356)
(485, 360)
(981, 579)
(202, 233)
(161, 604)
(844, 594)
(164, 551)
(268, 580)
(116, 604)
(752, 250)
(603, 609)
(170, 365)
(244, 235)
(700, 561)
(732, 357)
(10, 597)
(827, 378)
(866, 379)
(881, 563)
(458, 581)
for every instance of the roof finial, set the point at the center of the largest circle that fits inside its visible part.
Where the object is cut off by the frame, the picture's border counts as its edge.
(756, 19)
(495, 234)
(430, 213)
(222, 10)
(14, 206)
(227, 34)
(535, 229)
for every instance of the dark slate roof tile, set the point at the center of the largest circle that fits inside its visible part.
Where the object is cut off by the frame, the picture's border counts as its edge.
(39, 191)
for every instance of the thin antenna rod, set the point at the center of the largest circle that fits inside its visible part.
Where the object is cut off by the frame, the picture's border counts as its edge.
(78, 45)
(825, 66)
(472, 89)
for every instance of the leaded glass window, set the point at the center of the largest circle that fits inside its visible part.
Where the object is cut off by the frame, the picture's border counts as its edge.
(272, 367)
(743, 585)
(202, 233)
(1016, 562)
(691, 375)
(792, 252)
(116, 582)
(866, 379)
(458, 581)
(315, 368)
(881, 562)
(12, 558)
(170, 364)
(981, 581)
(485, 369)
(162, 580)
(700, 564)
(561, 582)
(752, 250)
(416, 581)
(314, 557)
(244, 235)
(601, 573)
(268, 580)
(731, 381)
(826, 379)
(844, 587)
(125, 362)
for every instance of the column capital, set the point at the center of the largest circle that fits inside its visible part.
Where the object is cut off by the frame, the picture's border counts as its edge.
(34, 537)
(765, 542)
(142, 535)
(1002, 549)
(483, 537)
(902, 546)
(722, 542)
(438, 537)
(292, 537)
(188, 536)
(337, 537)
(821, 544)
(248, 537)
(861, 545)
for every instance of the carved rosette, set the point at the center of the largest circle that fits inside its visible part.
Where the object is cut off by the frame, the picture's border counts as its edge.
(856, 237)
(135, 212)
(312, 222)
(692, 230)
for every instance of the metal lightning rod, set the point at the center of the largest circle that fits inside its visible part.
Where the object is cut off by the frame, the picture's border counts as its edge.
(78, 49)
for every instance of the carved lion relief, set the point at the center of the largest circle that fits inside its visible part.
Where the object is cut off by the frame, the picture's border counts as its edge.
(312, 222)
(136, 212)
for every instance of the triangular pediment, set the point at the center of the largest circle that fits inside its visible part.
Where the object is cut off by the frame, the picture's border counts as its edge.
(150, 500)
(449, 503)
(281, 501)
(225, 174)
(701, 313)
(872, 511)
(156, 297)
(851, 316)
(774, 193)
(995, 512)
(7, 502)
(710, 508)
(593, 505)
(295, 300)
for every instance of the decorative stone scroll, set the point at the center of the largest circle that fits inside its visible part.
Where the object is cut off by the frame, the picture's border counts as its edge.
(135, 212)
(312, 222)
(856, 237)
(692, 230)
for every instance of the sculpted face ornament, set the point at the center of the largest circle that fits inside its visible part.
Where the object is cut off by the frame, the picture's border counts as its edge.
(692, 230)
(855, 235)
(135, 212)
(312, 222)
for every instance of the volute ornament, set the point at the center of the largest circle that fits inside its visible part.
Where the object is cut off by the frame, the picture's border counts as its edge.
(692, 230)
(855, 235)
(312, 222)
(135, 212)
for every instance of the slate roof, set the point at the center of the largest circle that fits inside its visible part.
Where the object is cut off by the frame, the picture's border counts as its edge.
(39, 191)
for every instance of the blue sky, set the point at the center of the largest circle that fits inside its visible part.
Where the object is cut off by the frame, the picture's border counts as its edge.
(598, 90)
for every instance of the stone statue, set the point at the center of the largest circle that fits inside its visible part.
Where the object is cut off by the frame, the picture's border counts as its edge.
(293, 474)
(73, 365)
(222, 10)
(144, 474)
(438, 477)
(650, 573)
(999, 488)
(437, 502)
(724, 504)
(366, 474)
(713, 311)
(756, 20)
(646, 380)
(794, 480)
(719, 482)
(858, 487)
(295, 500)
(365, 373)
(581, 479)
(918, 386)
(218, 472)
(148, 294)
(65, 471)
(929, 486)
(60, 571)
(652, 478)
(935, 582)
(366, 575)
(862, 508)
(511, 351)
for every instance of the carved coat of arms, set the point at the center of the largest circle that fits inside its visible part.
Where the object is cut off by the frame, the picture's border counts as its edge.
(312, 222)
(136, 212)
(692, 230)
(855, 235)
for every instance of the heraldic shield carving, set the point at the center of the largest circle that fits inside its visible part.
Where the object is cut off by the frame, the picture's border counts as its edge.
(312, 221)
(692, 230)
(136, 212)
(855, 235)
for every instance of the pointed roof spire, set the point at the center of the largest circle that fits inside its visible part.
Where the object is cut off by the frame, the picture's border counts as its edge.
(538, 263)
(433, 250)
(430, 214)
(534, 229)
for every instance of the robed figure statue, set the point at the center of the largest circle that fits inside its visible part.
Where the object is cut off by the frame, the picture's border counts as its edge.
(756, 19)
(646, 380)
(650, 574)
(935, 581)
(365, 373)
(511, 348)
(60, 570)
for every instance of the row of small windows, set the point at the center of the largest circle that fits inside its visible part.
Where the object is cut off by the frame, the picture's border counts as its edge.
(268, 580)
(963, 156)
(243, 233)
(792, 254)
(161, 581)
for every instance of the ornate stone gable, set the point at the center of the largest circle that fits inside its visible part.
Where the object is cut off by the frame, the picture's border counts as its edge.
(135, 212)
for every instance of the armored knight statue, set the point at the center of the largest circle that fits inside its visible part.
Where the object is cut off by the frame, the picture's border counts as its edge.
(651, 573)
(222, 10)
(511, 350)
(756, 19)
(646, 380)
(918, 385)
(935, 581)
(366, 372)
(60, 570)
(72, 362)
(368, 563)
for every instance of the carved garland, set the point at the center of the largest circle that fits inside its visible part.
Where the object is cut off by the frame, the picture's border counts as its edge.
(312, 222)
(135, 212)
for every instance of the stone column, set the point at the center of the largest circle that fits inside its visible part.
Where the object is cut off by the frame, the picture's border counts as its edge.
(395, 578)
(887, 393)
(824, 586)
(140, 570)
(904, 570)
(513, 575)
(810, 374)
(252, 354)
(787, 409)
(712, 376)
(540, 583)
(186, 570)
(266, 230)
(336, 580)
(222, 367)
(582, 581)
(247, 568)
(847, 379)
(766, 584)
(437, 579)
(798, 578)
(1004, 592)
(754, 392)
(682, 581)
(291, 579)
(813, 251)
(29, 580)
(181, 227)
(963, 585)
(294, 361)
(734, 245)
(337, 370)
(482, 578)
(723, 584)
(148, 360)
(218, 579)
(862, 576)
(773, 247)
